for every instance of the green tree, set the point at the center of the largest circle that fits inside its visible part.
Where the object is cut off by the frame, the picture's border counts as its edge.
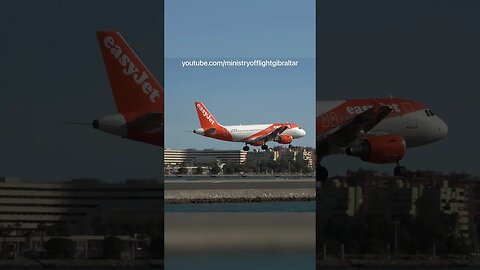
(157, 247)
(282, 166)
(215, 169)
(228, 168)
(300, 165)
(4, 231)
(42, 227)
(60, 248)
(182, 170)
(113, 247)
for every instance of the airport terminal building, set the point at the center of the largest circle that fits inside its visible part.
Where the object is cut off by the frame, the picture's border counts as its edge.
(185, 157)
(80, 204)
(192, 158)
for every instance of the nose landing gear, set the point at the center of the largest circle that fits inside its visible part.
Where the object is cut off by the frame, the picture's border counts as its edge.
(265, 147)
(246, 148)
(399, 170)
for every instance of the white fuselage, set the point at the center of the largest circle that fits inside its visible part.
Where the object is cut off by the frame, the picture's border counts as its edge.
(417, 128)
(241, 133)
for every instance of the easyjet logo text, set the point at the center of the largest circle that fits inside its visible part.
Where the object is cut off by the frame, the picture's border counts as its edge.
(205, 113)
(130, 69)
(360, 109)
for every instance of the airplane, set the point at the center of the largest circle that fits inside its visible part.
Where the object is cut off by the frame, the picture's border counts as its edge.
(138, 95)
(256, 135)
(375, 130)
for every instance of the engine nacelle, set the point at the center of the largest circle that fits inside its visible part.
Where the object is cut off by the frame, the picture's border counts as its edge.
(284, 139)
(114, 124)
(259, 143)
(378, 149)
(199, 131)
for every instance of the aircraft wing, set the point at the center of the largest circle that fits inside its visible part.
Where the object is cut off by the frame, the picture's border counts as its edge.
(350, 129)
(150, 122)
(269, 136)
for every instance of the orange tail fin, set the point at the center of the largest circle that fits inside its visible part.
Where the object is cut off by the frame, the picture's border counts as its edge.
(134, 87)
(205, 117)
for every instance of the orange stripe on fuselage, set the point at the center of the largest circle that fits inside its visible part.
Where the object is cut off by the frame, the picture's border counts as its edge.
(221, 134)
(269, 130)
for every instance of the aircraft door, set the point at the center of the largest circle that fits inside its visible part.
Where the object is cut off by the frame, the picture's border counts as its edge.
(333, 119)
(325, 123)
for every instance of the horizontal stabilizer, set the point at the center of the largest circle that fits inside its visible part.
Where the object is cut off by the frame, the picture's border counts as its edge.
(210, 131)
(151, 122)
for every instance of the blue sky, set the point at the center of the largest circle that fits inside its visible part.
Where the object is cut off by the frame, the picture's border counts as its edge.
(233, 28)
(238, 30)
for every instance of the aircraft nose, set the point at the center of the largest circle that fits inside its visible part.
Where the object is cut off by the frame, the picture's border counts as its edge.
(302, 132)
(438, 129)
(442, 128)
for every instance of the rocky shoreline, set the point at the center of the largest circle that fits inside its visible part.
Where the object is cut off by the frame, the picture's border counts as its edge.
(236, 200)
(360, 263)
(81, 263)
(229, 196)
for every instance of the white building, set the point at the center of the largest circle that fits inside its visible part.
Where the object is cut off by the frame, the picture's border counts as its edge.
(79, 203)
(189, 157)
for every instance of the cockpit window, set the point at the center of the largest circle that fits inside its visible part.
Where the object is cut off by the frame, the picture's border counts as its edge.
(429, 112)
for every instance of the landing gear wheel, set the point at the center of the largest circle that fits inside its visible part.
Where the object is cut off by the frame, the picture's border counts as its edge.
(322, 173)
(265, 147)
(246, 148)
(399, 171)
(290, 146)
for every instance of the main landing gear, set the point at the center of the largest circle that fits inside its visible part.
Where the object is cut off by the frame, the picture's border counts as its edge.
(322, 173)
(399, 170)
(264, 147)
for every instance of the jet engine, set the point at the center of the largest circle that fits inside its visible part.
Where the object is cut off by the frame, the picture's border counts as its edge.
(378, 148)
(259, 143)
(284, 139)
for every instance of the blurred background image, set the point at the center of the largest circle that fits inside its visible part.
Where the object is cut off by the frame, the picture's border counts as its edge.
(69, 194)
(424, 52)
